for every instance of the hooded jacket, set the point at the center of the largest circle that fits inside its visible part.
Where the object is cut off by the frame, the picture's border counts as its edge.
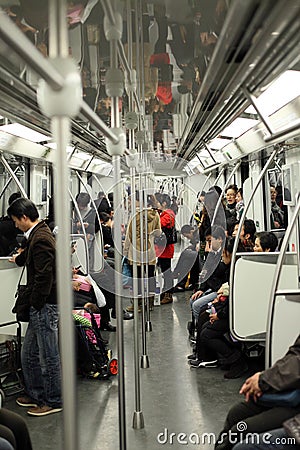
(153, 229)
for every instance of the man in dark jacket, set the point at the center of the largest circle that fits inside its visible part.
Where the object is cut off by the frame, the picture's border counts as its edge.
(214, 272)
(40, 352)
(283, 375)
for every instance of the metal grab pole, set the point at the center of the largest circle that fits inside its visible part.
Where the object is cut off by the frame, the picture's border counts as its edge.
(58, 47)
(138, 418)
(14, 176)
(236, 241)
(15, 39)
(116, 162)
(144, 356)
(276, 278)
(148, 302)
(222, 193)
(11, 35)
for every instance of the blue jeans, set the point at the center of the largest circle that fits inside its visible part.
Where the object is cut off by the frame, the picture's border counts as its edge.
(277, 439)
(198, 304)
(40, 357)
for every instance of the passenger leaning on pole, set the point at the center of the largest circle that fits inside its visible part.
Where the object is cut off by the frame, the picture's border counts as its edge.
(40, 352)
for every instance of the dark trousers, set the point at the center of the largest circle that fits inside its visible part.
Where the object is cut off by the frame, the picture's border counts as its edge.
(258, 419)
(165, 265)
(211, 343)
(13, 428)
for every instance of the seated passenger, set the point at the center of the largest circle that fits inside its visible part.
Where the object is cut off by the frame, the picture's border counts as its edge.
(282, 376)
(246, 235)
(188, 260)
(214, 273)
(265, 241)
(213, 323)
(275, 439)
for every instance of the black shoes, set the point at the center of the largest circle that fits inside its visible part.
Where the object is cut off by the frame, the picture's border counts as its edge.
(107, 327)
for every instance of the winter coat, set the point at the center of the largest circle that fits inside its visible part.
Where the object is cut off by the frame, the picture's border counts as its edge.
(39, 257)
(167, 219)
(153, 229)
(285, 373)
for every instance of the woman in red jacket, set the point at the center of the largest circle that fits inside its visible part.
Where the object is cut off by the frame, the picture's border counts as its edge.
(165, 254)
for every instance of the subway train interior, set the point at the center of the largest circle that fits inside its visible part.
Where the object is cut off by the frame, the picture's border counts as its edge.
(111, 113)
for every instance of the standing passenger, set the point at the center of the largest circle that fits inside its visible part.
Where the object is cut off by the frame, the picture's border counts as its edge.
(40, 352)
(167, 220)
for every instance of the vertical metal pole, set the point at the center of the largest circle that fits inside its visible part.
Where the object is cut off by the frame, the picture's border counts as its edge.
(148, 318)
(144, 356)
(117, 192)
(58, 46)
(138, 418)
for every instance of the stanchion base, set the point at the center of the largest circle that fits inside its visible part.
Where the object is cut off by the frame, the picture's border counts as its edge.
(148, 326)
(145, 362)
(138, 420)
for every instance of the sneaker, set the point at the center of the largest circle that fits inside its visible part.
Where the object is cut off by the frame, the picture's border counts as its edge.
(43, 410)
(192, 356)
(199, 363)
(193, 339)
(213, 363)
(25, 401)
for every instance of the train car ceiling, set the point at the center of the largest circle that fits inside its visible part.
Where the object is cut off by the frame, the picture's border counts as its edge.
(239, 48)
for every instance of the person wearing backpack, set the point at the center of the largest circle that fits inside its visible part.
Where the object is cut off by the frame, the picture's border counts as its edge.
(165, 254)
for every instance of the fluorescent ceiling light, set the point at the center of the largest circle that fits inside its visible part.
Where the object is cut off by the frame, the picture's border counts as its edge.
(218, 143)
(238, 127)
(19, 130)
(279, 93)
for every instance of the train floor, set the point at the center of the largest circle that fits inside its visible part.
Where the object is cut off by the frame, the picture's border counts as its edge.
(174, 397)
